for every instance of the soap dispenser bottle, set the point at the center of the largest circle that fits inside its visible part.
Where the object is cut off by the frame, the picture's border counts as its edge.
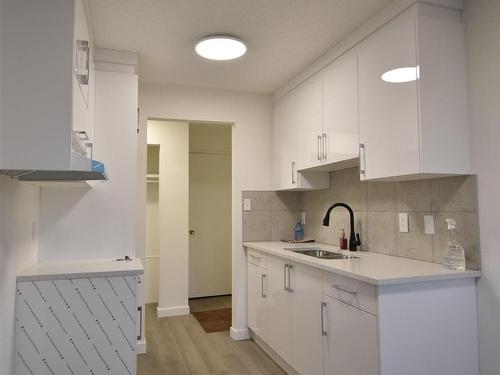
(299, 232)
(343, 240)
(454, 258)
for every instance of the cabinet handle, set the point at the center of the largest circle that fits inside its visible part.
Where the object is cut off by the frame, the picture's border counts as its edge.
(91, 146)
(344, 289)
(324, 137)
(256, 257)
(82, 68)
(262, 286)
(293, 173)
(323, 307)
(362, 160)
(319, 147)
(139, 308)
(289, 278)
(285, 268)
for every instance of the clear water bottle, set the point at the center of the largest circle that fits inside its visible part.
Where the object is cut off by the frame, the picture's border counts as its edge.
(455, 257)
(299, 232)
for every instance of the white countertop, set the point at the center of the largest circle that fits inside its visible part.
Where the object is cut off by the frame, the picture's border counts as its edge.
(373, 268)
(81, 269)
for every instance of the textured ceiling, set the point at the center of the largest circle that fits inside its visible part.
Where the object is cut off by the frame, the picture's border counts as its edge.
(283, 36)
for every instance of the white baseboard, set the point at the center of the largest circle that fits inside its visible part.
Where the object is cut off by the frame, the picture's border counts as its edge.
(140, 347)
(239, 334)
(165, 312)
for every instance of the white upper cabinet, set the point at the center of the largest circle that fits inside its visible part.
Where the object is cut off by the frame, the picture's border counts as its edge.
(308, 114)
(289, 112)
(47, 85)
(340, 135)
(285, 144)
(413, 120)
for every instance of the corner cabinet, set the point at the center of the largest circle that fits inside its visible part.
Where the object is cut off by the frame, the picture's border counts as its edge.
(47, 117)
(413, 119)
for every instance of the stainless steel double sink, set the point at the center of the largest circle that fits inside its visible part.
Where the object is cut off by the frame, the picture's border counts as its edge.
(319, 253)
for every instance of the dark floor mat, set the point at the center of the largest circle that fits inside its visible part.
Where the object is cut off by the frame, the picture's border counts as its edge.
(214, 320)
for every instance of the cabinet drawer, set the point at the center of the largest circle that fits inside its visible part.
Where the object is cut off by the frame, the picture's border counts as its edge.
(256, 257)
(350, 291)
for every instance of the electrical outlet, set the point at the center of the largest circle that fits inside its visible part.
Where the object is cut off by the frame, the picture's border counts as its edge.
(429, 224)
(247, 204)
(403, 222)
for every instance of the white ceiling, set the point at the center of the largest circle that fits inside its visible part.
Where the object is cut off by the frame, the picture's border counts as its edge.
(283, 36)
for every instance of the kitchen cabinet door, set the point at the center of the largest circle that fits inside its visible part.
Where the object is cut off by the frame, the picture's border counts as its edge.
(257, 300)
(278, 308)
(340, 110)
(285, 143)
(388, 112)
(306, 340)
(350, 345)
(83, 75)
(308, 104)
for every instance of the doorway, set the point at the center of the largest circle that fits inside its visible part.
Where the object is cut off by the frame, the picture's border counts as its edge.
(188, 214)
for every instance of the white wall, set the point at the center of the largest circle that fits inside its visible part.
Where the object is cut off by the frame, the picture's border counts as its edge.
(173, 138)
(251, 152)
(18, 250)
(482, 20)
(99, 222)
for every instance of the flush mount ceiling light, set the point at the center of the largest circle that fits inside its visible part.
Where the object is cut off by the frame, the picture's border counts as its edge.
(400, 75)
(220, 47)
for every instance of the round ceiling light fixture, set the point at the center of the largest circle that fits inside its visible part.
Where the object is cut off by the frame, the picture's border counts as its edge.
(220, 47)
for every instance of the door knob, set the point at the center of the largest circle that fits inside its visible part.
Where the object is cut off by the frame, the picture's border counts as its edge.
(191, 232)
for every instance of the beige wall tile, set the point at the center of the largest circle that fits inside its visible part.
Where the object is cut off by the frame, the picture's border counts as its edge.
(283, 224)
(454, 193)
(413, 196)
(257, 226)
(381, 196)
(314, 227)
(382, 232)
(318, 200)
(285, 200)
(415, 244)
(347, 188)
(261, 200)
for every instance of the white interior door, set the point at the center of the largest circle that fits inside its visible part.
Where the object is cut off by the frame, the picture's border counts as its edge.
(209, 223)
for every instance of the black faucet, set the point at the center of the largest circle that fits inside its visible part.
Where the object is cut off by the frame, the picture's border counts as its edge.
(354, 240)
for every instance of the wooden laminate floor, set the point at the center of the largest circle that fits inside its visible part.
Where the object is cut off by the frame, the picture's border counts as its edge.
(178, 345)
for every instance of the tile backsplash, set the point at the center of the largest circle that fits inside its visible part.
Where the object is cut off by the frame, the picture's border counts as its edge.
(376, 206)
(273, 215)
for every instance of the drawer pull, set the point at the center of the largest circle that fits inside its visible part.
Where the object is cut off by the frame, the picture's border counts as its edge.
(344, 289)
(256, 257)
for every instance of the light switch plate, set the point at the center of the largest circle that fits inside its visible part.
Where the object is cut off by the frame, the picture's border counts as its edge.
(429, 224)
(247, 204)
(403, 222)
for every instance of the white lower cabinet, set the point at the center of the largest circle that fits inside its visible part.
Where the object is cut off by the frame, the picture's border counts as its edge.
(278, 307)
(350, 339)
(306, 340)
(257, 316)
(316, 322)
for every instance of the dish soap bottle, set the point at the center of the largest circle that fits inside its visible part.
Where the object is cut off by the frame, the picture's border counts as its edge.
(299, 232)
(455, 259)
(343, 240)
